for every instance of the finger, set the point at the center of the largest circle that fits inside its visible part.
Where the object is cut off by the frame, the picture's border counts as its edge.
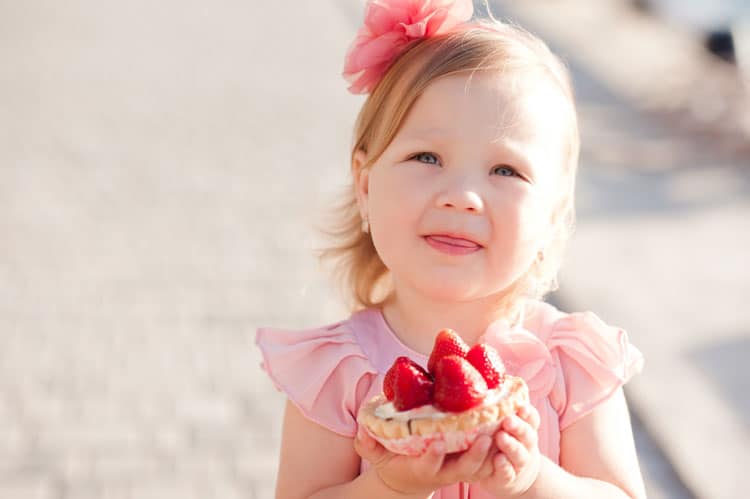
(504, 471)
(486, 469)
(516, 453)
(368, 448)
(431, 460)
(468, 463)
(529, 414)
(521, 430)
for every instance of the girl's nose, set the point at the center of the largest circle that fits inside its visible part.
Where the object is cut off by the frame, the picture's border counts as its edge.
(461, 199)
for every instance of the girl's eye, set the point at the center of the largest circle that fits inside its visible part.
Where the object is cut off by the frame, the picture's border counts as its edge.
(426, 157)
(505, 171)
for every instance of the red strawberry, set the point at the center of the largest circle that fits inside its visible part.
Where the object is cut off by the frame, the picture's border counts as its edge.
(447, 342)
(410, 384)
(390, 375)
(458, 386)
(488, 362)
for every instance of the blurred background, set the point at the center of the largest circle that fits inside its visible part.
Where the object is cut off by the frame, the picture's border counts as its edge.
(163, 166)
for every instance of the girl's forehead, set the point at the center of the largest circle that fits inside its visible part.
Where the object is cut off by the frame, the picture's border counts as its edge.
(530, 112)
(514, 105)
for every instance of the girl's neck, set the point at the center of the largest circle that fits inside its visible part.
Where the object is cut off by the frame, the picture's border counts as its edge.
(416, 320)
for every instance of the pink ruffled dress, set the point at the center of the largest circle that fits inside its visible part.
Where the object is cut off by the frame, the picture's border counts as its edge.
(571, 363)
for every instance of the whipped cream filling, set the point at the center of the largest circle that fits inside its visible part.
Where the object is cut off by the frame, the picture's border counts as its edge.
(429, 411)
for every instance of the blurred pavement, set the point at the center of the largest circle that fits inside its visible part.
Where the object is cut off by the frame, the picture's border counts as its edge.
(162, 167)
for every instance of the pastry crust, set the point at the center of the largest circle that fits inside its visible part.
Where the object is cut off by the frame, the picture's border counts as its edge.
(457, 430)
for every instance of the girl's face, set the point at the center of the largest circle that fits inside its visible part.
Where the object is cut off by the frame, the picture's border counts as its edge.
(460, 202)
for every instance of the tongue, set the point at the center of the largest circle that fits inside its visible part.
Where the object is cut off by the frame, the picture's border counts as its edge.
(454, 241)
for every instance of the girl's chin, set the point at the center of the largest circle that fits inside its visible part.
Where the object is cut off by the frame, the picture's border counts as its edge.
(454, 285)
(446, 291)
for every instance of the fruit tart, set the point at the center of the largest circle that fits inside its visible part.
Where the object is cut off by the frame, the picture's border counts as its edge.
(462, 394)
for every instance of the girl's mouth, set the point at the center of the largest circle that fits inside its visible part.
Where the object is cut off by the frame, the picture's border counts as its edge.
(452, 245)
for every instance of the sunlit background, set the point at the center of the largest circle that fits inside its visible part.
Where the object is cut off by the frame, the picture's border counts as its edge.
(162, 169)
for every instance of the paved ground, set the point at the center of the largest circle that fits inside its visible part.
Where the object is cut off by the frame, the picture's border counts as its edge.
(161, 169)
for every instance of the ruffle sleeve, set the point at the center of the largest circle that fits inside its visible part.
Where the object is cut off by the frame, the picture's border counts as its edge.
(323, 371)
(593, 360)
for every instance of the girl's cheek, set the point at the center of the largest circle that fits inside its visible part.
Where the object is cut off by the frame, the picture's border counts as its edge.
(532, 214)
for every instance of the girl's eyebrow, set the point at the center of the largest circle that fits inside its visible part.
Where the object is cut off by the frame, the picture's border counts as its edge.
(518, 158)
(420, 133)
(511, 148)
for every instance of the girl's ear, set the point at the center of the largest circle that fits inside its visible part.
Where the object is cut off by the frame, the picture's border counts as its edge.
(361, 181)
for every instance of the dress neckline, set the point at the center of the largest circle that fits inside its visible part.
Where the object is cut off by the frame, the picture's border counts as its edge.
(393, 337)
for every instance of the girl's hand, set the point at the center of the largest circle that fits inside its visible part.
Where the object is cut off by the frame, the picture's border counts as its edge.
(516, 466)
(422, 475)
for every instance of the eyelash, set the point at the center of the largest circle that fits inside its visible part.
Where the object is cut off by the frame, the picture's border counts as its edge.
(415, 156)
(494, 168)
(514, 173)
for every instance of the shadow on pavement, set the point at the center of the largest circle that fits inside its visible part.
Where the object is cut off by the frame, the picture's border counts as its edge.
(635, 165)
(725, 364)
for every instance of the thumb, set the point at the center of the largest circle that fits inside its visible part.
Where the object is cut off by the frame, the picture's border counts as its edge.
(368, 448)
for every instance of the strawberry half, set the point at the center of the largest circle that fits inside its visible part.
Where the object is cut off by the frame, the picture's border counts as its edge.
(458, 385)
(447, 342)
(410, 384)
(390, 375)
(487, 361)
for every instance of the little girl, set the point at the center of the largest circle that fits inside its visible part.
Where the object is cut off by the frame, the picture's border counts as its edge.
(463, 170)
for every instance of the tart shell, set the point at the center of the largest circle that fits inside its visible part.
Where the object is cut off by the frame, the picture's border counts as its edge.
(457, 430)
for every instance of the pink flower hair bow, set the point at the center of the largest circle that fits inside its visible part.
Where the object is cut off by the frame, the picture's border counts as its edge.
(389, 27)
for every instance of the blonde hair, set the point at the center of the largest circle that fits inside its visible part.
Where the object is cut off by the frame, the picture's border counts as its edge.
(481, 46)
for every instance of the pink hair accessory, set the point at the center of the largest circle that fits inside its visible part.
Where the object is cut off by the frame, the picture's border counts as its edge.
(389, 27)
